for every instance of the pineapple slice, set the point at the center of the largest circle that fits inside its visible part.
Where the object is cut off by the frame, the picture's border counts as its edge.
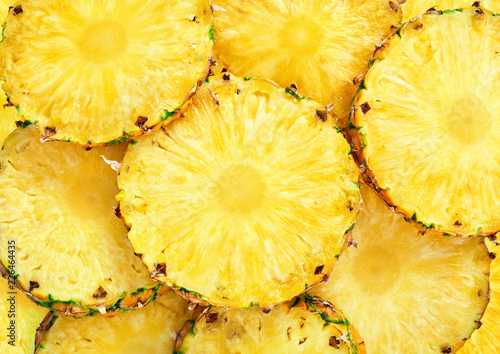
(406, 292)
(19, 320)
(320, 46)
(305, 325)
(427, 118)
(56, 204)
(246, 201)
(151, 329)
(485, 339)
(8, 118)
(96, 72)
(4, 7)
(413, 8)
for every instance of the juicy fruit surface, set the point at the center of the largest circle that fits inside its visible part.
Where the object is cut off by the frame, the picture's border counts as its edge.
(426, 122)
(303, 326)
(406, 292)
(151, 329)
(246, 200)
(413, 8)
(27, 318)
(56, 203)
(319, 45)
(101, 71)
(485, 339)
(8, 118)
(4, 7)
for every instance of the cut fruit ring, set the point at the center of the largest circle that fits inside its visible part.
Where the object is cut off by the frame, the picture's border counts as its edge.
(426, 121)
(102, 72)
(246, 201)
(68, 252)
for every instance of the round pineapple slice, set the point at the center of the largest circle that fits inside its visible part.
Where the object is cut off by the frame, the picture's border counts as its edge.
(246, 201)
(56, 206)
(8, 117)
(101, 72)
(151, 329)
(413, 8)
(407, 292)
(305, 325)
(427, 118)
(485, 339)
(19, 319)
(321, 46)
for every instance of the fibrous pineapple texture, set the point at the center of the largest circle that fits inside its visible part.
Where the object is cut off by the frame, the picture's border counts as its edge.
(413, 8)
(247, 200)
(485, 339)
(8, 118)
(427, 118)
(151, 329)
(319, 45)
(406, 292)
(305, 325)
(56, 204)
(19, 319)
(101, 71)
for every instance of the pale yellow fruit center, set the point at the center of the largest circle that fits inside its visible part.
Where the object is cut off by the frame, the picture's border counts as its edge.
(103, 41)
(468, 119)
(240, 188)
(301, 35)
(380, 271)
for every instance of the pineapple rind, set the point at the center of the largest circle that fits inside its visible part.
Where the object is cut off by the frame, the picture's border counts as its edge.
(98, 103)
(320, 46)
(150, 329)
(31, 179)
(485, 339)
(407, 292)
(219, 330)
(255, 131)
(27, 319)
(414, 8)
(360, 139)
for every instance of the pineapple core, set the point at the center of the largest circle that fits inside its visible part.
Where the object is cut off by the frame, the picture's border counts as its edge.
(301, 36)
(468, 119)
(240, 189)
(103, 41)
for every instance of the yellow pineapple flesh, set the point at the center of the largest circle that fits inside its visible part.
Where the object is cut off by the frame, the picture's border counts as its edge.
(19, 319)
(8, 118)
(151, 329)
(305, 325)
(425, 124)
(406, 292)
(57, 205)
(319, 45)
(96, 72)
(247, 200)
(485, 339)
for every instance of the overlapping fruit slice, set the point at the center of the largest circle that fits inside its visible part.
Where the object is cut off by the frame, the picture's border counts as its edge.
(8, 118)
(151, 329)
(406, 292)
(56, 205)
(19, 319)
(485, 339)
(413, 8)
(427, 119)
(247, 200)
(319, 45)
(305, 325)
(97, 72)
